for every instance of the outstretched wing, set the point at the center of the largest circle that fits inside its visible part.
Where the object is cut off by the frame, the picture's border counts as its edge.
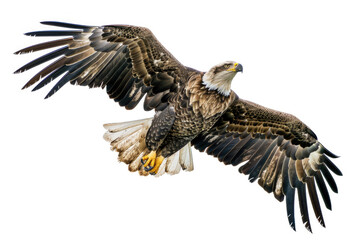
(276, 148)
(128, 60)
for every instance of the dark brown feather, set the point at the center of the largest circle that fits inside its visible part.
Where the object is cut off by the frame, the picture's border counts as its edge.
(114, 56)
(323, 189)
(279, 150)
(315, 200)
(45, 45)
(55, 65)
(301, 187)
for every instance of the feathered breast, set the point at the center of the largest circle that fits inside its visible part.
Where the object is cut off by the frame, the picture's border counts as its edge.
(205, 102)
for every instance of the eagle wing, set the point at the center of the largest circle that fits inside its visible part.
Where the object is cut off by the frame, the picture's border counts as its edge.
(128, 60)
(277, 149)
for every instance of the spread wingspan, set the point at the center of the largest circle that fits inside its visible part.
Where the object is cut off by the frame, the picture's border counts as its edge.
(277, 149)
(274, 147)
(127, 60)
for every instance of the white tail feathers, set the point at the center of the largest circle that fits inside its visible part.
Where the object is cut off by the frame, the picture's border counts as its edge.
(180, 160)
(128, 138)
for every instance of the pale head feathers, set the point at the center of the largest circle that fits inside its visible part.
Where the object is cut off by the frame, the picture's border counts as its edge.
(220, 76)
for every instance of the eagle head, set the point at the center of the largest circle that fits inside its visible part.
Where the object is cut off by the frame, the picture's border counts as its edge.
(220, 76)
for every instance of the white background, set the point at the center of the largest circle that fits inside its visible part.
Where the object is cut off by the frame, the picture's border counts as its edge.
(58, 179)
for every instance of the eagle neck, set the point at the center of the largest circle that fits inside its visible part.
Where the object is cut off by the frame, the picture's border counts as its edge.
(208, 103)
(220, 83)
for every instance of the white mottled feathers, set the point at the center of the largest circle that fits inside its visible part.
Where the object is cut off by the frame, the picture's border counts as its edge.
(128, 139)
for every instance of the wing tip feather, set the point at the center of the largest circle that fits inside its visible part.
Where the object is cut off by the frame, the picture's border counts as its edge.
(20, 52)
(31, 34)
(64, 24)
(328, 153)
(332, 166)
(18, 71)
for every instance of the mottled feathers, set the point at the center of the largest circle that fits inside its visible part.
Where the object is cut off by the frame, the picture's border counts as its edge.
(276, 149)
(127, 60)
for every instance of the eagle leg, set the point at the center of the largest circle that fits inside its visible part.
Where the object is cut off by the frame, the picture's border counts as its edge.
(152, 163)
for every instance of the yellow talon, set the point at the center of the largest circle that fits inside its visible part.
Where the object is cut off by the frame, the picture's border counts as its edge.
(158, 162)
(150, 159)
(152, 163)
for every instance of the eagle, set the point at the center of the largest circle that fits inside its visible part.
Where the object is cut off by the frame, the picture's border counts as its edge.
(192, 109)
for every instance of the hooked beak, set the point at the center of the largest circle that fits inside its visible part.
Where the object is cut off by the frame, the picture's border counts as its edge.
(238, 67)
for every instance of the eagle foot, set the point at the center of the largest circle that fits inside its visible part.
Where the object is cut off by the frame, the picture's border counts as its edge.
(152, 163)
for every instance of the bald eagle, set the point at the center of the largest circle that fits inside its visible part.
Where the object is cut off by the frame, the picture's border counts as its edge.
(192, 108)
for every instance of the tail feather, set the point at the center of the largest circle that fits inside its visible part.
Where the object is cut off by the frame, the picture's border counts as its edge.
(115, 127)
(172, 164)
(124, 142)
(136, 165)
(128, 139)
(179, 160)
(186, 159)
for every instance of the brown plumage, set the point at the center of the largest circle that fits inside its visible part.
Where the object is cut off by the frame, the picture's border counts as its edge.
(192, 108)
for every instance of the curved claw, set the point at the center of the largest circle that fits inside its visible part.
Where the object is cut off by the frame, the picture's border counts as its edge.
(152, 163)
(156, 167)
(148, 168)
(148, 161)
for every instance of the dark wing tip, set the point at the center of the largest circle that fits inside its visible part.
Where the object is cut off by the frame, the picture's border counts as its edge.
(19, 52)
(330, 154)
(290, 208)
(66, 25)
(49, 94)
(311, 132)
(32, 34)
(53, 23)
(332, 166)
(330, 180)
(54, 33)
(323, 190)
(26, 86)
(18, 71)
